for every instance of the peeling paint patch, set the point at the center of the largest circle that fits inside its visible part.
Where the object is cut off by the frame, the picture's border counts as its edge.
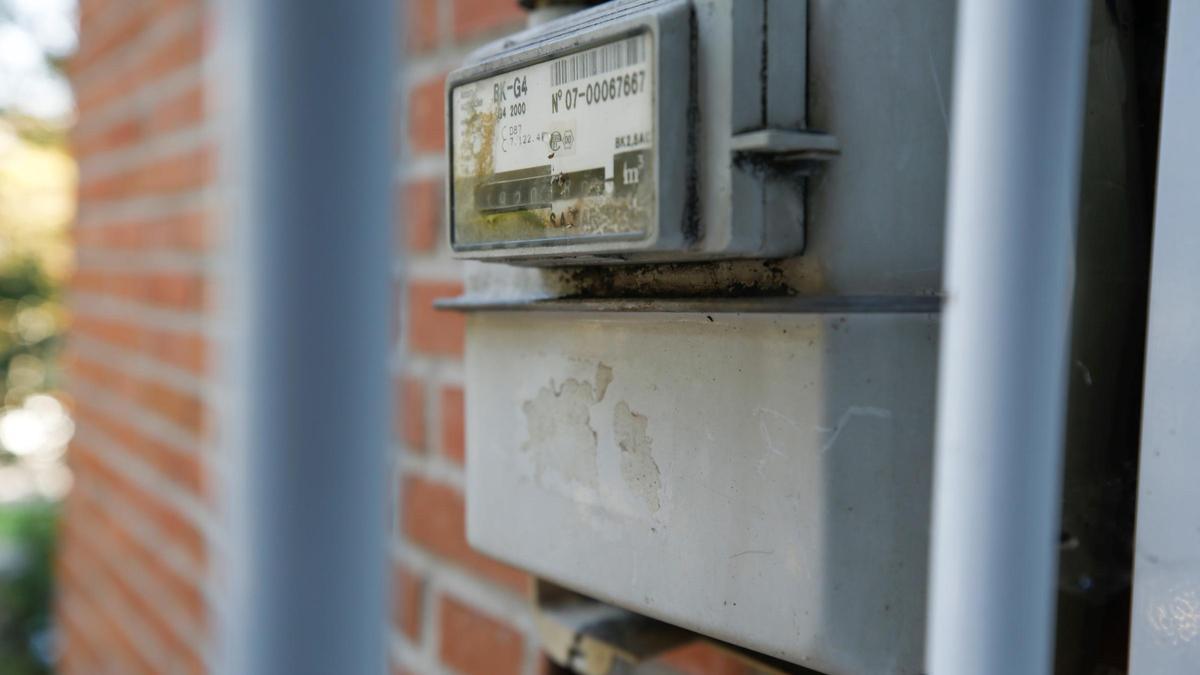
(561, 437)
(638, 468)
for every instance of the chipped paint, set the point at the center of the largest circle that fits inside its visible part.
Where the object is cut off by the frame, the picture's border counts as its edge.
(638, 468)
(561, 436)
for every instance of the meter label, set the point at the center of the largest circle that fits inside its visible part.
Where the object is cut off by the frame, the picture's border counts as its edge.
(558, 151)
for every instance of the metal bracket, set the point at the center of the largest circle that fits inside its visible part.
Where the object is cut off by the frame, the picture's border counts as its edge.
(776, 304)
(788, 144)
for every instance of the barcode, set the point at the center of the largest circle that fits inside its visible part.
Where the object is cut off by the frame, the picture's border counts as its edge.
(601, 60)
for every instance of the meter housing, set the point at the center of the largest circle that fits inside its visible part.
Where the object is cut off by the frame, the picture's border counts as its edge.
(639, 130)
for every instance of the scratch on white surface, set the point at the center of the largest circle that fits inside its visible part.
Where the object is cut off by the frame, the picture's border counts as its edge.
(849, 414)
(937, 85)
(751, 552)
(764, 427)
(765, 418)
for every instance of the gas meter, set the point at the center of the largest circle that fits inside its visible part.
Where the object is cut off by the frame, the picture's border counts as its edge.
(738, 446)
(641, 130)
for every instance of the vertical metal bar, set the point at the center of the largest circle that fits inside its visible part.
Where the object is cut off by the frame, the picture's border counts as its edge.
(1017, 120)
(1165, 625)
(308, 85)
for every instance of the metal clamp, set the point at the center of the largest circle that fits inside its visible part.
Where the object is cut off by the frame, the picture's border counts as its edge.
(788, 144)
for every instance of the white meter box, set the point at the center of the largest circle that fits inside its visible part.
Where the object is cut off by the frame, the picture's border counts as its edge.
(592, 139)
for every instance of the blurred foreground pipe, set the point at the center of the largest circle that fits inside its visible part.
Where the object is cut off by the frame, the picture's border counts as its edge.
(308, 87)
(1017, 125)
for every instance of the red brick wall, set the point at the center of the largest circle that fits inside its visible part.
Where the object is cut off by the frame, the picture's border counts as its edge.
(134, 560)
(134, 570)
(469, 611)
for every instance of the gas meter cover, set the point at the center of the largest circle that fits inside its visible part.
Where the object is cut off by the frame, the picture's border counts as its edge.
(558, 152)
(608, 136)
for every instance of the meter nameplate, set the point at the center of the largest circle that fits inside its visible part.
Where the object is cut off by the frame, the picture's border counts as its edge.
(557, 152)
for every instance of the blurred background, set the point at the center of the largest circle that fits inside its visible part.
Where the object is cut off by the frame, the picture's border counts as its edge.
(37, 198)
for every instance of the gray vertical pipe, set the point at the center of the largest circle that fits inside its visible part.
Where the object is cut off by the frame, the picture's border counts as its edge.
(1017, 121)
(309, 85)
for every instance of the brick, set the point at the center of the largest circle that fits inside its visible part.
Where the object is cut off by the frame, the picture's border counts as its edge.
(422, 24)
(90, 9)
(185, 291)
(119, 595)
(173, 52)
(181, 408)
(187, 232)
(120, 134)
(427, 116)
(187, 350)
(95, 45)
(184, 469)
(185, 109)
(101, 42)
(475, 644)
(412, 414)
(434, 517)
(117, 649)
(172, 526)
(407, 602)
(76, 651)
(187, 171)
(703, 658)
(149, 609)
(454, 444)
(430, 331)
(473, 18)
(420, 216)
(178, 592)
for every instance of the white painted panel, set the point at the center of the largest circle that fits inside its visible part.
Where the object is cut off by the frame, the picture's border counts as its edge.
(762, 479)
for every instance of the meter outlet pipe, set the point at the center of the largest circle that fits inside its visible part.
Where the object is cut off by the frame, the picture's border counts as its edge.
(1014, 165)
(307, 91)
